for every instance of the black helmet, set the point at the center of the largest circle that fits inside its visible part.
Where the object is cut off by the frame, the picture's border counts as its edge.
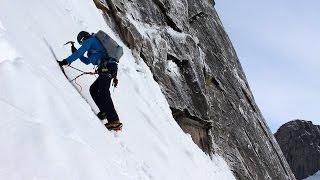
(83, 35)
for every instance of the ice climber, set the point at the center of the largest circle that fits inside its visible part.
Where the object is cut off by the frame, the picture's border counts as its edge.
(107, 68)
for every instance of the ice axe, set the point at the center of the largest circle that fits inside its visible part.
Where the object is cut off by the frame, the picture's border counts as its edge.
(70, 42)
(73, 48)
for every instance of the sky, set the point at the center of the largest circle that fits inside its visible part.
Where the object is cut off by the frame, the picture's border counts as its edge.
(278, 44)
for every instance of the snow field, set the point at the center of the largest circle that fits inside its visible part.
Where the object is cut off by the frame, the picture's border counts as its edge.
(48, 131)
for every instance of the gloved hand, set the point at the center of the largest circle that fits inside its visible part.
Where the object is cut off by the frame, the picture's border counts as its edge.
(73, 48)
(63, 62)
(115, 82)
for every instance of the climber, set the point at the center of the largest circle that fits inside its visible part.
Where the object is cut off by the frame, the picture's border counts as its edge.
(107, 68)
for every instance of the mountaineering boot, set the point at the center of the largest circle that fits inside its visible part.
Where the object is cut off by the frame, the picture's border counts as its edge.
(102, 115)
(114, 125)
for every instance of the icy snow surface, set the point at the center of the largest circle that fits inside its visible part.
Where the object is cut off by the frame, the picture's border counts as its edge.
(316, 176)
(48, 131)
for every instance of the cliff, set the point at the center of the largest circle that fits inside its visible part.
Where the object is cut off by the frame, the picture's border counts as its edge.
(191, 57)
(48, 125)
(300, 144)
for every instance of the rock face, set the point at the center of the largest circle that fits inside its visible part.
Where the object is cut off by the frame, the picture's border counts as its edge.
(300, 144)
(191, 57)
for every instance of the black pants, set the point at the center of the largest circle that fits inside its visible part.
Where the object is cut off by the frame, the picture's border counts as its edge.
(100, 93)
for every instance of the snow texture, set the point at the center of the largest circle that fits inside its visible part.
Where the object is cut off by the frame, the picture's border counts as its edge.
(316, 176)
(47, 129)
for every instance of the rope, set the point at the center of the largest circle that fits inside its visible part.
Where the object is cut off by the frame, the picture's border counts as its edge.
(82, 73)
(76, 69)
(89, 73)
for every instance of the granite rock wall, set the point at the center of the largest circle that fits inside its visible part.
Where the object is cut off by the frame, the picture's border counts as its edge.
(191, 57)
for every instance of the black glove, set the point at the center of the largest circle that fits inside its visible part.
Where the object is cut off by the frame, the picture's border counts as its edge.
(115, 82)
(73, 48)
(63, 62)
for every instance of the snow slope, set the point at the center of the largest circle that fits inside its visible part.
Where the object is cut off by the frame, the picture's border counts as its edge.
(316, 176)
(48, 131)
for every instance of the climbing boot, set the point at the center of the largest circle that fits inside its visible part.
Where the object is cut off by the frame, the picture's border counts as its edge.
(114, 125)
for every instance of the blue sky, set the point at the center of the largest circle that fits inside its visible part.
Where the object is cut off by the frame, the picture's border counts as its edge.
(278, 44)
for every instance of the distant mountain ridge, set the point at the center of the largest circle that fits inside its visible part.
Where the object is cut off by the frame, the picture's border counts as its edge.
(300, 144)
